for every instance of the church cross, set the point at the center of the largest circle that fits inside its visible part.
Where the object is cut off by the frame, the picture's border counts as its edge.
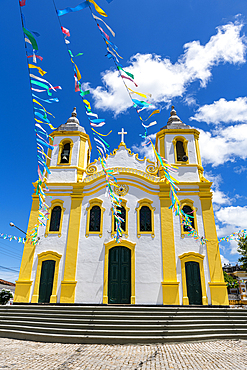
(122, 133)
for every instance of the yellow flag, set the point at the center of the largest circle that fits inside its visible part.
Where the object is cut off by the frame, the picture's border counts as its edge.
(38, 68)
(98, 9)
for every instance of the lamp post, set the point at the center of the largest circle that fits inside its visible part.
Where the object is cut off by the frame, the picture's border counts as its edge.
(13, 225)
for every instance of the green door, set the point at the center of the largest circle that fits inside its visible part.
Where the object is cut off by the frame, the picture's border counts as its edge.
(193, 281)
(119, 275)
(46, 281)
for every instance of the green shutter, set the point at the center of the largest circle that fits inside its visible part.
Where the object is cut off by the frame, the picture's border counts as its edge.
(119, 275)
(46, 281)
(193, 281)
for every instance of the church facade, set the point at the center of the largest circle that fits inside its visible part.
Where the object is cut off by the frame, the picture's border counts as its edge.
(77, 259)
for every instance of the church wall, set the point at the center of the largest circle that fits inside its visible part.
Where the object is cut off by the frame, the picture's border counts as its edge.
(63, 175)
(169, 147)
(53, 242)
(91, 252)
(75, 149)
(189, 244)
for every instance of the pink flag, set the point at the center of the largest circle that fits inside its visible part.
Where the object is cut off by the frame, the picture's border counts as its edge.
(127, 78)
(65, 31)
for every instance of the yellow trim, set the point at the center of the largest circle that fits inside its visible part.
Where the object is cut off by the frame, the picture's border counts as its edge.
(198, 154)
(54, 203)
(152, 179)
(193, 257)
(170, 285)
(219, 295)
(185, 145)
(190, 203)
(108, 246)
(68, 284)
(126, 232)
(61, 146)
(148, 203)
(191, 131)
(24, 282)
(44, 256)
(71, 133)
(83, 161)
(95, 202)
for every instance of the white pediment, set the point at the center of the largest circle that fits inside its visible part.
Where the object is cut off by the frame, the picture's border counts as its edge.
(123, 157)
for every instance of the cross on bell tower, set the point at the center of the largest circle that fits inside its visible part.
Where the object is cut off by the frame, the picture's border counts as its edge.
(122, 133)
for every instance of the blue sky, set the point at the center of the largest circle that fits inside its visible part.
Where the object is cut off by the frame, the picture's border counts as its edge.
(191, 54)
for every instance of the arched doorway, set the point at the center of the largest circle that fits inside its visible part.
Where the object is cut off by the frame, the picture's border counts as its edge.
(193, 282)
(119, 275)
(46, 281)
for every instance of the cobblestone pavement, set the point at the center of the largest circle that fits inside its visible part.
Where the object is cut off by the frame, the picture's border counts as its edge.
(22, 355)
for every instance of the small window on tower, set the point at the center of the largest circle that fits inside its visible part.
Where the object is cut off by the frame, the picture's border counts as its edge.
(180, 151)
(65, 153)
(55, 219)
(189, 211)
(95, 218)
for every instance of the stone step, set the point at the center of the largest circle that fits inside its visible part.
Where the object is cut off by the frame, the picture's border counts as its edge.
(121, 324)
(122, 331)
(114, 320)
(102, 339)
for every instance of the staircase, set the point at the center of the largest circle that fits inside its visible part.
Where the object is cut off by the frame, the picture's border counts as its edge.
(121, 324)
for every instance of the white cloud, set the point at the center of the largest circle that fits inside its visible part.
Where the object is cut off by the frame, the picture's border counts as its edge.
(240, 169)
(234, 216)
(223, 111)
(224, 260)
(219, 197)
(145, 150)
(224, 145)
(233, 247)
(165, 80)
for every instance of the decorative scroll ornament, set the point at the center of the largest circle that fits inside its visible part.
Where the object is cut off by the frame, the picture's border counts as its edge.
(152, 169)
(90, 170)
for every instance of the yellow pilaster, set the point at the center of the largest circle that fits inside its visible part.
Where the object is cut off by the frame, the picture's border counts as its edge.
(24, 283)
(69, 283)
(217, 284)
(170, 284)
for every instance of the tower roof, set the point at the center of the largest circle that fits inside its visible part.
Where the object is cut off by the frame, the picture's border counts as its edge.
(72, 124)
(174, 122)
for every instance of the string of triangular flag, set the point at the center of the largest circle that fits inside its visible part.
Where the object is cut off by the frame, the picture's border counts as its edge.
(100, 143)
(41, 118)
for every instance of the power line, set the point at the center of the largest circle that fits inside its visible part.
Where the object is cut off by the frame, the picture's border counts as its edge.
(7, 268)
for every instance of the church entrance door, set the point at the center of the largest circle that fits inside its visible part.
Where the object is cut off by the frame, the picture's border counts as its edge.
(46, 281)
(119, 275)
(193, 281)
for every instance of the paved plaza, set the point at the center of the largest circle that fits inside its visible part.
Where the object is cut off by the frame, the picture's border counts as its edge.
(22, 355)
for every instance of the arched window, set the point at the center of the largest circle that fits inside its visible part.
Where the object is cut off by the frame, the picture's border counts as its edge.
(180, 145)
(65, 154)
(95, 217)
(55, 218)
(189, 211)
(122, 214)
(180, 150)
(145, 219)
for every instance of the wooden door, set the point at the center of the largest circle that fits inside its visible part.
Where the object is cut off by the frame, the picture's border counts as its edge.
(193, 281)
(119, 275)
(46, 281)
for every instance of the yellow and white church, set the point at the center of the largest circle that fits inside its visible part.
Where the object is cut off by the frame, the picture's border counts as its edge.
(157, 262)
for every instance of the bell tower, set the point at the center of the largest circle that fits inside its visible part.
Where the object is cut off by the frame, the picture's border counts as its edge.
(178, 144)
(71, 153)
